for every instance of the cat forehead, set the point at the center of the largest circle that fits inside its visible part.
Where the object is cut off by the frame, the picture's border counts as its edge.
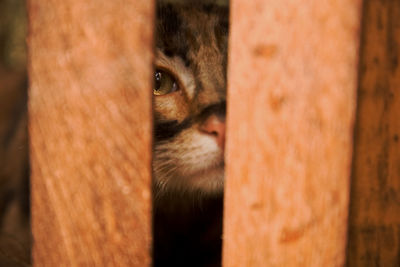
(184, 29)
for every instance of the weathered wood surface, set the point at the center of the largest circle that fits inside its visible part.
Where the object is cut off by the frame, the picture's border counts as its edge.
(374, 225)
(90, 130)
(291, 103)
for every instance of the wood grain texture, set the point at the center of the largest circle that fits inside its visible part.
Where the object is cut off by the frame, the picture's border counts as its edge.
(291, 101)
(90, 68)
(374, 225)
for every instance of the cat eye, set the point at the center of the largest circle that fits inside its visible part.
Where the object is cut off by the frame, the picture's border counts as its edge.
(164, 83)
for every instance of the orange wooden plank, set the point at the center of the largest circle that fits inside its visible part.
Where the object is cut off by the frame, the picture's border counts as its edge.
(291, 101)
(374, 234)
(90, 127)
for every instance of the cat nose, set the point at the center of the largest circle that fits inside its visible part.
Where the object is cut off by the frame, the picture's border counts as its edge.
(215, 126)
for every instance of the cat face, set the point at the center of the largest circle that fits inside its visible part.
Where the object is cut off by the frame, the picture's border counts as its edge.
(189, 98)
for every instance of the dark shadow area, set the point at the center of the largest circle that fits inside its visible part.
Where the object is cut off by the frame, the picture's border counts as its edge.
(374, 212)
(15, 235)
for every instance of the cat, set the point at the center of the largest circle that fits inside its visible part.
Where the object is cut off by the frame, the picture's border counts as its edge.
(189, 133)
(189, 102)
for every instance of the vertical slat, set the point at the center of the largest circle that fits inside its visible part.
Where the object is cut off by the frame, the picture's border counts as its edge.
(90, 130)
(291, 101)
(374, 225)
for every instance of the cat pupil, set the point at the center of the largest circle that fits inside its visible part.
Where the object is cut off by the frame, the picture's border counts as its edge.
(157, 81)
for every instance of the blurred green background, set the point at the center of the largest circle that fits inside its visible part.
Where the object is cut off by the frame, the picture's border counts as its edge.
(13, 28)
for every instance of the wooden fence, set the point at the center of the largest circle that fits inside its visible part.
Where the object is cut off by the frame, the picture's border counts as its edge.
(90, 129)
(294, 68)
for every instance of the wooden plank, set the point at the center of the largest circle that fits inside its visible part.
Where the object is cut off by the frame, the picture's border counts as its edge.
(291, 101)
(90, 66)
(374, 225)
